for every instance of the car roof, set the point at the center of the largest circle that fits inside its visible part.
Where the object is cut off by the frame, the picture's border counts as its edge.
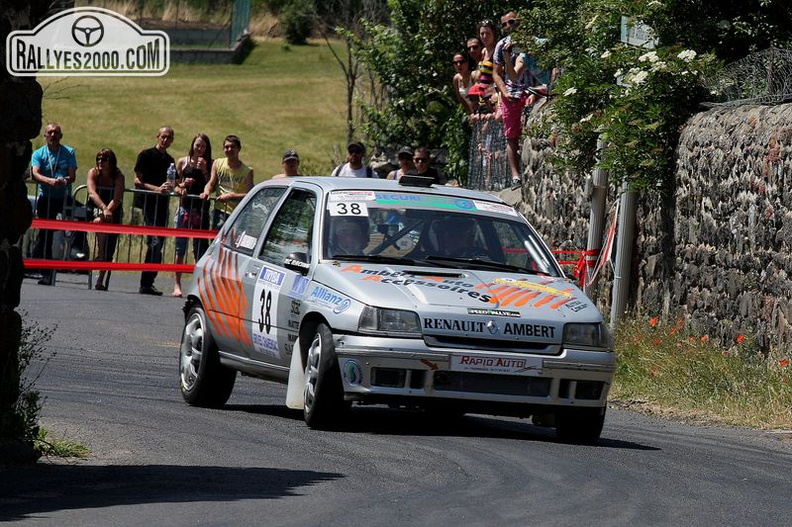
(329, 184)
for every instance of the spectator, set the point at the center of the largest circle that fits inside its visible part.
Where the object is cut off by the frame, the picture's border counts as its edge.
(512, 91)
(406, 165)
(231, 179)
(290, 163)
(462, 80)
(151, 170)
(54, 168)
(354, 166)
(475, 48)
(422, 161)
(106, 201)
(488, 34)
(194, 172)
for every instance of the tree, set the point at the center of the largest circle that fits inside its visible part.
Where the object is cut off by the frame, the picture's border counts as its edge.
(348, 19)
(411, 59)
(20, 106)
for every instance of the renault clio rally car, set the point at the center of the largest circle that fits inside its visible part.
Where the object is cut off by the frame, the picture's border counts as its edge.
(400, 293)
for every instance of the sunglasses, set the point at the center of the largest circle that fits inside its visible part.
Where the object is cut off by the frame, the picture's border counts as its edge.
(355, 151)
(102, 159)
(475, 47)
(508, 23)
(458, 61)
(420, 160)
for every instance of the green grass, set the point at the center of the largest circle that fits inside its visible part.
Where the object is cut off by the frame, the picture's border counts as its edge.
(50, 447)
(280, 97)
(667, 370)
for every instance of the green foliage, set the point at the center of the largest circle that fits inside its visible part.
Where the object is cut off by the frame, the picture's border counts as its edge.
(668, 367)
(297, 20)
(22, 422)
(47, 446)
(411, 57)
(637, 99)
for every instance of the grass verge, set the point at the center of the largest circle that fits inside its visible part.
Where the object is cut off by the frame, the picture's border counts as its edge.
(665, 370)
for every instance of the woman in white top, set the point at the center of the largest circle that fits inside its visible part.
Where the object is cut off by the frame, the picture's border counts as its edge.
(462, 80)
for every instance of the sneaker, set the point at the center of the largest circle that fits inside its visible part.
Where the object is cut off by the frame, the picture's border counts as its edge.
(151, 290)
(100, 287)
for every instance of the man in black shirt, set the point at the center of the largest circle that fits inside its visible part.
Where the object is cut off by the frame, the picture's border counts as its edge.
(422, 161)
(151, 170)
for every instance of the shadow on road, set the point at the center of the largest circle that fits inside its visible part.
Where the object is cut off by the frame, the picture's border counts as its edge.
(398, 422)
(44, 487)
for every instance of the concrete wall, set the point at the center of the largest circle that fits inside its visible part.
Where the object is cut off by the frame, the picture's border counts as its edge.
(715, 251)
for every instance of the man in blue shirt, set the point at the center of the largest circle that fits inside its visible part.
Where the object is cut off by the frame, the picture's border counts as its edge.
(54, 168)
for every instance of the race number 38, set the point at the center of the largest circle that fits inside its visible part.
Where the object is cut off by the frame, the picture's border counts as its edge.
(348, 208)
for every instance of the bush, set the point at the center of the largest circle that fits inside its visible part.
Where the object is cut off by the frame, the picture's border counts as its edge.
(297, 21)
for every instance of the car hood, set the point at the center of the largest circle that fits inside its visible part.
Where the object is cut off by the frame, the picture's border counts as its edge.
(438, 292)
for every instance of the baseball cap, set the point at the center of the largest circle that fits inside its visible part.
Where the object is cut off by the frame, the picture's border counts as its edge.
(290, 154)
(406, 150)
(356, 145)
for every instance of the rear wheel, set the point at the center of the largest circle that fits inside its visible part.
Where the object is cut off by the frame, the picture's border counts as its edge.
(582, 426)
(324, 403)
(204, 381)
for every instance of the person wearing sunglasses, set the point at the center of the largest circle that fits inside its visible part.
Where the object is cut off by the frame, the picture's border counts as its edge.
(475, 49)
(106, 193)
(462, 80)
(354, 167)
(423, 167)
(511, 82)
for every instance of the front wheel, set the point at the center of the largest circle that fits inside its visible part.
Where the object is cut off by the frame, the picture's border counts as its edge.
(581, 426)
(324, 403)
(203, 380)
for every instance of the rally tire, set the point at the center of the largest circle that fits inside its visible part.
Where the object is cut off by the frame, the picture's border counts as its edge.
(203, 380)
(582, 426)
(323, 397)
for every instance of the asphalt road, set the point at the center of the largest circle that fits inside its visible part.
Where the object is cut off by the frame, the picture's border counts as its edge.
(111, 383)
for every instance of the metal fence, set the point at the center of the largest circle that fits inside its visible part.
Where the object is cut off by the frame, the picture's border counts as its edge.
(488, 168)
(764, 77)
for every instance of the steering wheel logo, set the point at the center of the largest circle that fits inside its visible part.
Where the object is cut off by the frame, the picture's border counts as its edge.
(87, 31)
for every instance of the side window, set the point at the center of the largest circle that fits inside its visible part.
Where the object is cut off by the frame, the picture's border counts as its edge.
(244, 233)
(291, 228)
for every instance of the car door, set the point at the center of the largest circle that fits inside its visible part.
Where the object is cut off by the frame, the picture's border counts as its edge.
(226, 296)
(277, 292)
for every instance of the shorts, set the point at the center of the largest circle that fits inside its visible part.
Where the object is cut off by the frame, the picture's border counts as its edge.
(512, 117)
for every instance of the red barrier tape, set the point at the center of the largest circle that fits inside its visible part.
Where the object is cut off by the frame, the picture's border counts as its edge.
(111, 228)
(88, 265)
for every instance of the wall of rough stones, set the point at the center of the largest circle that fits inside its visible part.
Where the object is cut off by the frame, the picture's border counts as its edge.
(716, 250)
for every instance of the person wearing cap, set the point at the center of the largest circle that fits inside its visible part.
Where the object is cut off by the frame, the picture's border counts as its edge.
(406, 165)
(354, 167)
(290, 163)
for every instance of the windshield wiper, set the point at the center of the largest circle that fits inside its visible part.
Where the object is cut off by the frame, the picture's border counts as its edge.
(487, 264)
(377, 258)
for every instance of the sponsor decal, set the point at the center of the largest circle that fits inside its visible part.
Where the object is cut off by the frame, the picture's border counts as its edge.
(445, 324)
(328, 298)
(297, 263)
(493, 312)
(87, 41)
(529, 330)
(271, 276)
(353, 373)
(424, 200)
(246, 241)
(528, 366)
(541, 287)
(298, 287)
(352, 195)
(266, 345)
(498, 208)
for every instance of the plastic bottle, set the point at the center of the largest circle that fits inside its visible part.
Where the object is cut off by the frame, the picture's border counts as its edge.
(172, 176)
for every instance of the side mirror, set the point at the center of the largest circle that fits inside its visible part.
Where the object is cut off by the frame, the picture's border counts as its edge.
(297, 262)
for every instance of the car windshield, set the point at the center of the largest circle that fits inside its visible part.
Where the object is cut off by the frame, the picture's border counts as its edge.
(422, 229)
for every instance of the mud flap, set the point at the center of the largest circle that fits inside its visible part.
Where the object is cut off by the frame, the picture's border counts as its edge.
(296, 385)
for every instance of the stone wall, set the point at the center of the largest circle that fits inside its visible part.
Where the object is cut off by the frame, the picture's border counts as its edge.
(716, 250)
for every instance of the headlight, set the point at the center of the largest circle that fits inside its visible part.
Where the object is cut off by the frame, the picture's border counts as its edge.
(390, 321)
(593, 335)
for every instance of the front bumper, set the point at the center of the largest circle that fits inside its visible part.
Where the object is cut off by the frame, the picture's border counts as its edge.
(406, 371)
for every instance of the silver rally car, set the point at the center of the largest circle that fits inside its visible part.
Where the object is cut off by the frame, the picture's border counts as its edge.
(399, 293)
